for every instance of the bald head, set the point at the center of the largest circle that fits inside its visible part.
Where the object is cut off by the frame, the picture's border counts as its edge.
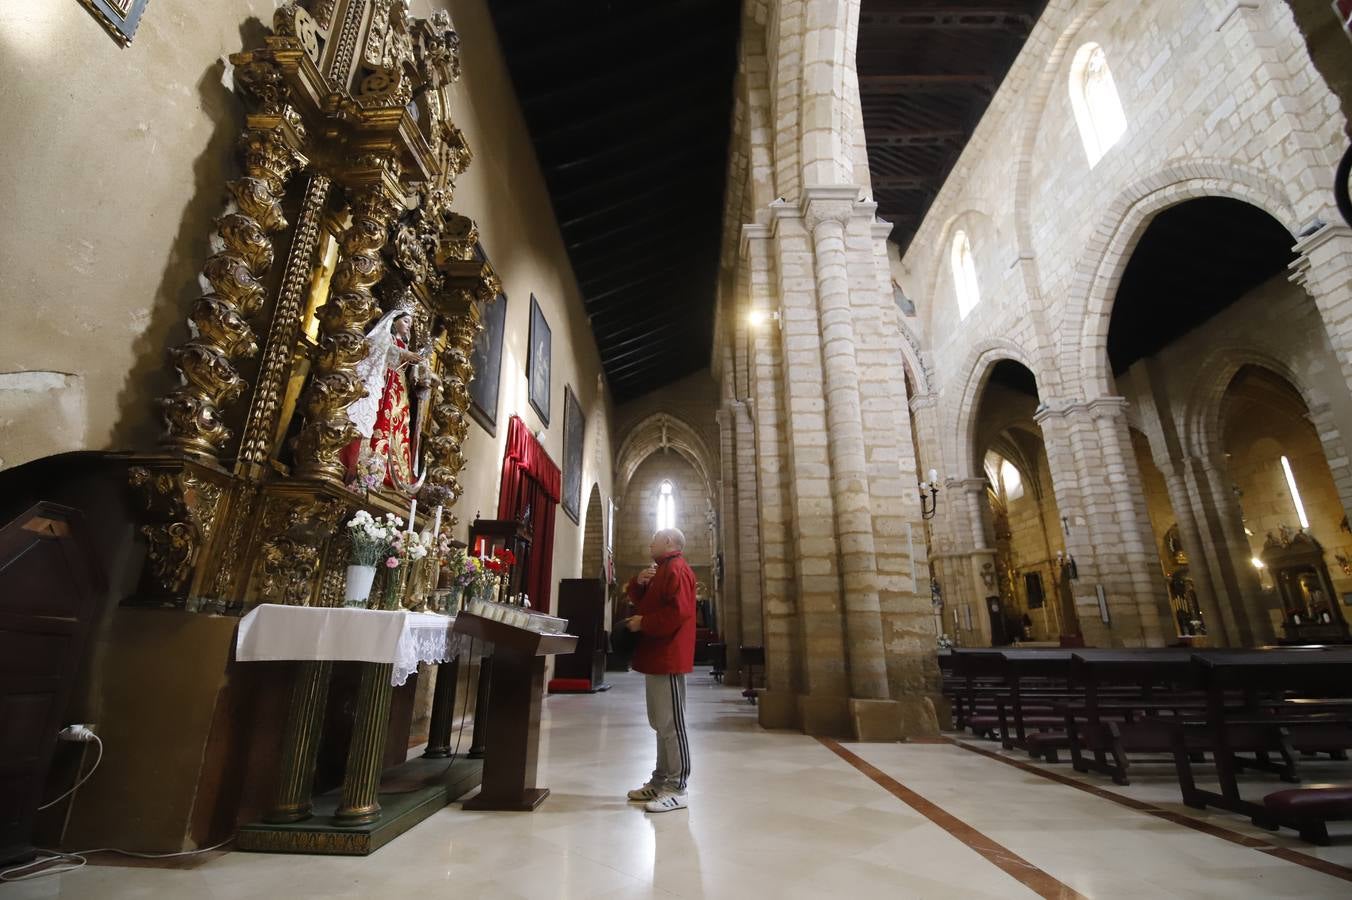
(668, 540)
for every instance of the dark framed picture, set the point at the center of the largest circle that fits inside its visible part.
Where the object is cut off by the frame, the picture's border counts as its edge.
(538, 361)
(119, 17)
(486, 356)
(574, 430)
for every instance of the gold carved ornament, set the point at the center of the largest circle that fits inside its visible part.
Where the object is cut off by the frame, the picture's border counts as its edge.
(294, 531)
(221, 334)
(183, 506)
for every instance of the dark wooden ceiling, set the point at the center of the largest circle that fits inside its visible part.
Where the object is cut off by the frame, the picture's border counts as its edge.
(629, 105)
(927, 72)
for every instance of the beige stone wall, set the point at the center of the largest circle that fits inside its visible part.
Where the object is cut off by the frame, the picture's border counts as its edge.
(116, 166)
(636, 518)
(1220, 99)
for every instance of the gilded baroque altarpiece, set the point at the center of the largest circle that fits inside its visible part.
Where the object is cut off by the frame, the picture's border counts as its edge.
(341, 210)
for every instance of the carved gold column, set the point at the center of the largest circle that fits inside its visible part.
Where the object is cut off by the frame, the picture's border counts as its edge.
(342, 344)
(300, 743)
(220, 332)
(287, 322)
(366, 753)
(450, 422)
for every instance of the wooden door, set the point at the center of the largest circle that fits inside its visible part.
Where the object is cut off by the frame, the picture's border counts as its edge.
(49, 588)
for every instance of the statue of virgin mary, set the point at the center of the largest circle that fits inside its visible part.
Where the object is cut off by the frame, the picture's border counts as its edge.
(382, 417)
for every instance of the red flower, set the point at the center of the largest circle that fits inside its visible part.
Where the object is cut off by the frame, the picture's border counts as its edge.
(493, 565)
(507, 557)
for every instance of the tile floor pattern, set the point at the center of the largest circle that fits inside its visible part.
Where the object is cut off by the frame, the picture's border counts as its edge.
(772, 815)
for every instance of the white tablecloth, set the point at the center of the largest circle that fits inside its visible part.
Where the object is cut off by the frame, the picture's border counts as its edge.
(274, 632)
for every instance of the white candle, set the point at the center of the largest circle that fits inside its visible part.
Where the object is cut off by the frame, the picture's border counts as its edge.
(436, 522)
(934, 477)
(412, 511)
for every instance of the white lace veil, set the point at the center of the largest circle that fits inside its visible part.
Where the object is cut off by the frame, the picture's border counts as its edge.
(371, 371)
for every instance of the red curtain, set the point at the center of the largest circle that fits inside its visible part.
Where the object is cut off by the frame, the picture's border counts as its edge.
(530, 479)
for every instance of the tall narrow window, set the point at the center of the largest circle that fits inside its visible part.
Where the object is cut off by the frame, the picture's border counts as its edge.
(666, 507)
(1295, 493)
(1094, 99)
(964, 275)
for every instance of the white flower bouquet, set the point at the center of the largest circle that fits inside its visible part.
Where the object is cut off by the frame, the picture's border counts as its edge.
(372, 537)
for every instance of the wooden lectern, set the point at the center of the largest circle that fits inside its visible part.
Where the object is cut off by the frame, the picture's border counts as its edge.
(513, 719)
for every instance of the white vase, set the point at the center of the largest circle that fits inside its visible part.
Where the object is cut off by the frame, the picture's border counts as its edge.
(358, 588)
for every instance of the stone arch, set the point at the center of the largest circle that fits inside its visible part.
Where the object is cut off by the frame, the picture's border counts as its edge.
(980, 363)
(913, 361)
(663, 431)
(1098, 274)
(593, 535)
(1202, 416)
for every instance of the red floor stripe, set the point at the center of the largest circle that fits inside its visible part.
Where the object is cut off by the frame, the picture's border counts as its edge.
(1244, 840)
(1027, 874)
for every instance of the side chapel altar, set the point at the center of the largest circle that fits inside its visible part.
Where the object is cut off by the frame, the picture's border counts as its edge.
(325, 373)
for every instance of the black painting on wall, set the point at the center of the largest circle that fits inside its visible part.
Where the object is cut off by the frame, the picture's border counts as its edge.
(538, 361)
(487, 359)
(1032, 585)
(574, 430)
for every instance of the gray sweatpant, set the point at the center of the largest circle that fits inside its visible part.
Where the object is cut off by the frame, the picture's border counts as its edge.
(666, 714)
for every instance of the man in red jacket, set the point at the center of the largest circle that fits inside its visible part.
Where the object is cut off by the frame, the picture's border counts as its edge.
(664, 598)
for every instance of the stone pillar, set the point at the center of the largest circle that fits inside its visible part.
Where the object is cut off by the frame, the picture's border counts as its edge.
(1200, 561)
(749, 537)
(730, 609)
(1140, 574)
(778, 704)
(826, 211)
(1247, 623)
(1324, 269)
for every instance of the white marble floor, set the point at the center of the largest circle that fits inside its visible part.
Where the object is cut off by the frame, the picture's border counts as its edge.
(771, 814)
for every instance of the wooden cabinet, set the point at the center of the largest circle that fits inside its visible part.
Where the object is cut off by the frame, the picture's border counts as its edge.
(582, 601)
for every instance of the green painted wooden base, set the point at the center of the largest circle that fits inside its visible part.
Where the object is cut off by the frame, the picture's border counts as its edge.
(409, 793)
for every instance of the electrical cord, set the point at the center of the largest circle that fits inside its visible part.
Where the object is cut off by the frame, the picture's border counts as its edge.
(76, 860)
(97, 759)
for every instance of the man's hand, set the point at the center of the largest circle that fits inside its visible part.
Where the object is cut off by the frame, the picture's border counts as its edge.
(634, 623)
(647, 574)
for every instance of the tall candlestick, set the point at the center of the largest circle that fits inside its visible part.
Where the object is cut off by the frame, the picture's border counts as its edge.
(412, 511)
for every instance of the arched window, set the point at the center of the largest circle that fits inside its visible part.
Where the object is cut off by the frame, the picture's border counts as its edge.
(964, 275)
(666, 507)
(1093, 97)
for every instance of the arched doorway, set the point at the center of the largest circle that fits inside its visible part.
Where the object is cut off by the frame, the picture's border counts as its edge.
(1018, 572)
(1206, 282)
(593, 537)
(1283, 484)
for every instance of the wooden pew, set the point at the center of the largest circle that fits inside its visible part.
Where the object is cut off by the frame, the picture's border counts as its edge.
(1274, 715)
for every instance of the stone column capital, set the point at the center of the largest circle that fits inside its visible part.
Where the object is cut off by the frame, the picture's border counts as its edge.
(966, 485)
(1311, 249)
(823, 204)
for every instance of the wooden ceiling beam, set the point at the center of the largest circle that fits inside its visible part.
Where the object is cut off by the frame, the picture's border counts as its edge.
(907, 183)
(878, 83)
(650, 277)
(915, 137)
(692, 45)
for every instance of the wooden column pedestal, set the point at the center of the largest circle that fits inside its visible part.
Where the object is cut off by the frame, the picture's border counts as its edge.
(300, 743)
(512, 714)
(443, 711)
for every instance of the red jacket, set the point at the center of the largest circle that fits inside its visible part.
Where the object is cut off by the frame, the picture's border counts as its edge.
(666, 644)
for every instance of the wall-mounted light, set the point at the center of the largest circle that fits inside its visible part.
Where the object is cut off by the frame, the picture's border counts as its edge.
(930, 506)
(758, 317)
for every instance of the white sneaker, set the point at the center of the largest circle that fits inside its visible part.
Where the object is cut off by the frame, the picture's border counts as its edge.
(666, 802)
(645, 793)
